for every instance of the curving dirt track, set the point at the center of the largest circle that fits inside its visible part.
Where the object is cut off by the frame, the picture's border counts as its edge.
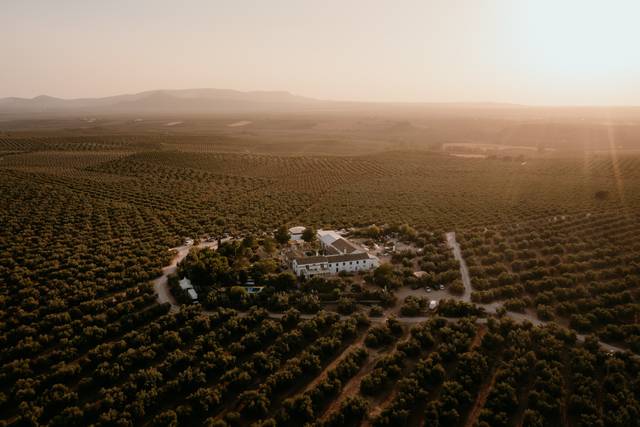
(161, 284)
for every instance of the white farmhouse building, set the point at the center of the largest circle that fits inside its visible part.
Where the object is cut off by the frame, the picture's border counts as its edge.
(325, 265)
(340, 255)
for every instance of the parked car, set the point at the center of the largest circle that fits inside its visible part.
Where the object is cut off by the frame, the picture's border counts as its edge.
(428, 289)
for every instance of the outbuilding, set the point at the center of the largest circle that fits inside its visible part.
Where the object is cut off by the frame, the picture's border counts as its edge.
(296, 232)
(185, 284)
(192, 294)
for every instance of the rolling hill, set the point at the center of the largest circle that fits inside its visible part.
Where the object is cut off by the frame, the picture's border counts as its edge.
(161, 101)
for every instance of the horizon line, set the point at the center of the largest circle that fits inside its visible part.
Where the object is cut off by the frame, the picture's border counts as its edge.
(345, 101)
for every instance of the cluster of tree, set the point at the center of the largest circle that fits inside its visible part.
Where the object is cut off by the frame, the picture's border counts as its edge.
(263, 362)
(504, 292)
(580, 268)
(390, 366)
(456, 308)
(303, 408)
(414, 306)
(383, 335)
(257, 402)
(130, 360)
(516, 304)
(429, 373)
(545, 397)
(83, 343)
(532, 360)
(457, 287)
(386, 277)
(376, 311)
(232, 263)
(351, 412)
(386, 369)
(403, 231)
(346, 305)
(527, 370)
(458, 392)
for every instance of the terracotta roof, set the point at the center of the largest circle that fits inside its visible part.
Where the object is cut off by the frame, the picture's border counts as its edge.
(344, 245)
(330, 250)
(332, 258)
(311, 259)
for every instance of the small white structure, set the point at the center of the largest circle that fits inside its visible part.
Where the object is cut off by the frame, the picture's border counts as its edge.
(192, 294)
(185, 284)
(296, 233)
(433, 304)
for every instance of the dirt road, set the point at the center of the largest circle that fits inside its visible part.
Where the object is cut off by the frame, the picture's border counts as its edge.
(492, 307)
(161, 284)
(464, 270)
(161, 287)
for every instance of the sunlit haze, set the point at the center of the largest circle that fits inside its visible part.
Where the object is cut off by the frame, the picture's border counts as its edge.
(531, 52)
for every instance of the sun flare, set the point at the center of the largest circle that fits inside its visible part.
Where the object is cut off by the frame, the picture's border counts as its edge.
(589, 39)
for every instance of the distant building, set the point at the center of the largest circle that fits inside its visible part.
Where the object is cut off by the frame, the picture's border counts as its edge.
(296, 233)
(340, 255)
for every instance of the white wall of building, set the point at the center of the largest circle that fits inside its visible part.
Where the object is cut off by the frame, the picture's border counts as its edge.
(326, 268)
(353, 266)
(309, 270)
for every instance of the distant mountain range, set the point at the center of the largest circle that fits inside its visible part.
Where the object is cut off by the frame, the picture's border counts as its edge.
(162, 101)
(217, 101)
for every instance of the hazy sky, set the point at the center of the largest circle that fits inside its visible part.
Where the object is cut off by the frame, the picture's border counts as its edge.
(537, 51)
